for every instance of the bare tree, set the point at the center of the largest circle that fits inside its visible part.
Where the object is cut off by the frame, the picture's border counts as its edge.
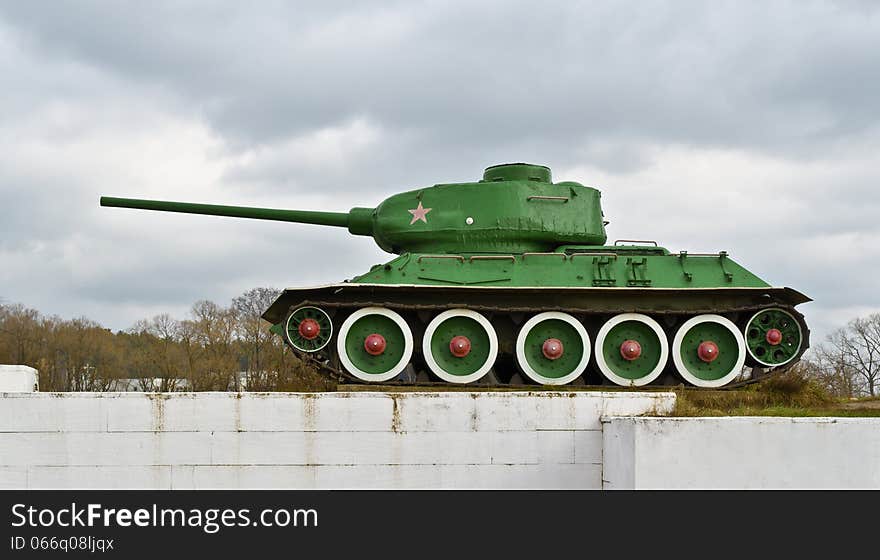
(852, 353)
(20, 334)
(209, 342)
(258, 345)
(156, 358)
(831, 371)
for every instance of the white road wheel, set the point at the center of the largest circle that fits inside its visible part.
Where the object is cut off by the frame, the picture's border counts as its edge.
(708, 351)
(553, 348)
(631, 349)
(460, 346)
(374, 344)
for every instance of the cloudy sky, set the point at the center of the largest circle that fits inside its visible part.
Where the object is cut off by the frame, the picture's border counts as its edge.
(747, 127)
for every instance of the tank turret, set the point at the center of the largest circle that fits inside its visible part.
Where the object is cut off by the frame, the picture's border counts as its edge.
(514, 208)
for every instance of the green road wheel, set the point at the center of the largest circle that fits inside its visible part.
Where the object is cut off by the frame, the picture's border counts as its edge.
(773, 337)
(308, 329)
(374, 344)
(552, 348)
(631, 349)
(460, 346)
(708, 351)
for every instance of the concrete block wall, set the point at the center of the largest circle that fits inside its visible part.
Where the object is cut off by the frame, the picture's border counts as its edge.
(742, 453)
(310, 440)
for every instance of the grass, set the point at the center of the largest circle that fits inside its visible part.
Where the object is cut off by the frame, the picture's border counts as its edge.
(785, 394)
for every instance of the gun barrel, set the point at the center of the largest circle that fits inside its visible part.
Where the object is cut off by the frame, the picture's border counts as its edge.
(354, 220)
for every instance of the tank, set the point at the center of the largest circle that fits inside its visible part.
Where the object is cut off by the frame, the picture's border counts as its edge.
(509, 280)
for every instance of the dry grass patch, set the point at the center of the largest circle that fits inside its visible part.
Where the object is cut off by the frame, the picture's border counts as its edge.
(784, 394)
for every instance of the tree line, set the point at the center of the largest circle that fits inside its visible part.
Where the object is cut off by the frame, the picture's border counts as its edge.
(215, 348)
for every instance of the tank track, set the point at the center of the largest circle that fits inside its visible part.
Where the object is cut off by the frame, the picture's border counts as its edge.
(506, 374)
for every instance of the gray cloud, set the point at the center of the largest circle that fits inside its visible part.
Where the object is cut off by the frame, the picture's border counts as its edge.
(783, 75)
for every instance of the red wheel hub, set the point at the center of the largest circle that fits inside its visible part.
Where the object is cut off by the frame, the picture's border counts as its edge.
(630, 350)
(374, 344)
(707, 351)
(309, 329)
(774, 337)
(552, 349)
(460, 346)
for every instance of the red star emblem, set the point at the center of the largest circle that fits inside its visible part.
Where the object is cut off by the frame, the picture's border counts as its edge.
(419, 214)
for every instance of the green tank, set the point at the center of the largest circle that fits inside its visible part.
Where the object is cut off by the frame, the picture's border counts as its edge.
(509, 280)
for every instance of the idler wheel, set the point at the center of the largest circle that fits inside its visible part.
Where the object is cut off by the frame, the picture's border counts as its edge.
(552, 348)
(308, 329)
(631, 349)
